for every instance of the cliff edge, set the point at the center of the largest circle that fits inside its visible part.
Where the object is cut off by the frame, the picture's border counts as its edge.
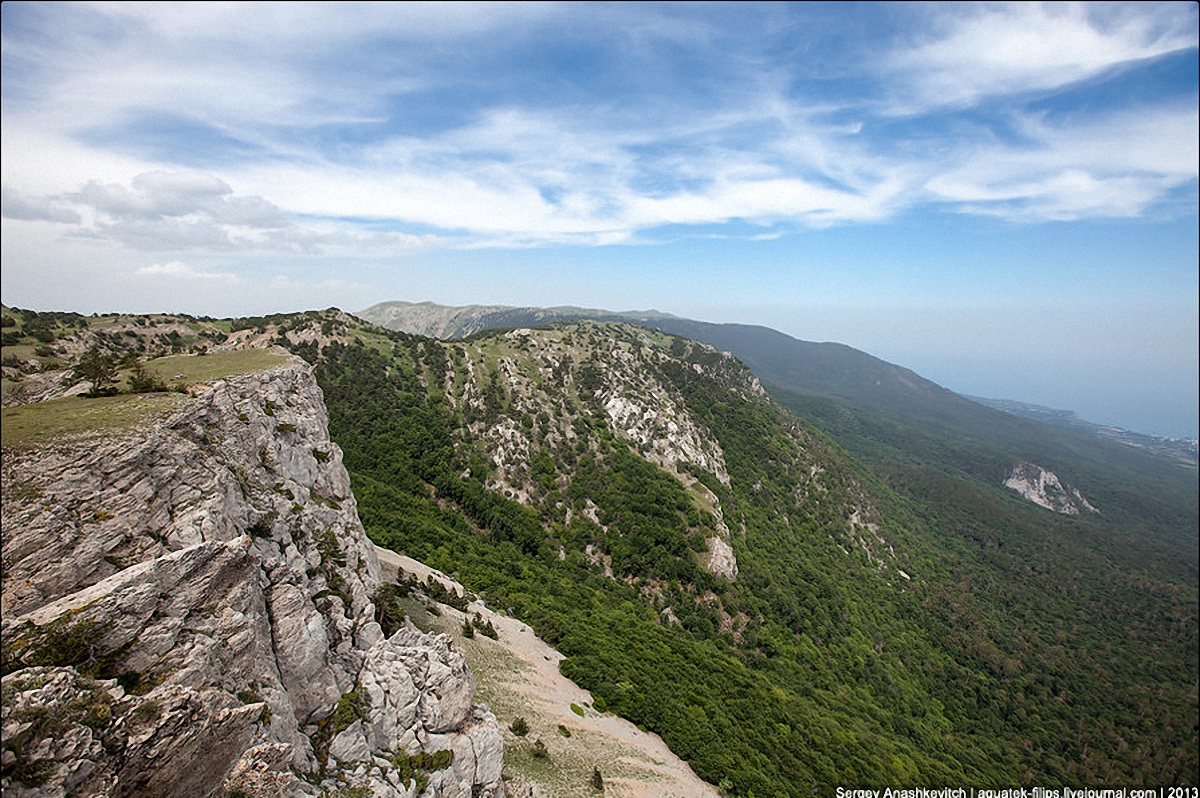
(187, 608)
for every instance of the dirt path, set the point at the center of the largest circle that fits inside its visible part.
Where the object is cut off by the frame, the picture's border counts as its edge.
(518, 677)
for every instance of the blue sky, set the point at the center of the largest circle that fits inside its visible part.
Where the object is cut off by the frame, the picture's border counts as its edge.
(1002, 197)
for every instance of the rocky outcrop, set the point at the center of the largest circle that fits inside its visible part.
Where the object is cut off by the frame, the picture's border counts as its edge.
(39, 386)
(1043, 488)
(556, 380)
(187, 608)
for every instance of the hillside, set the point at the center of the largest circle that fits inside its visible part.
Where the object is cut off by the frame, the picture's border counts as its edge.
(1009, 592)
(785, 615)
(913, 432)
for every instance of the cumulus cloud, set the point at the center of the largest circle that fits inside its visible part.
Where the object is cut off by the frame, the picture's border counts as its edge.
(158, 196)
(166, 211)
(173, 211)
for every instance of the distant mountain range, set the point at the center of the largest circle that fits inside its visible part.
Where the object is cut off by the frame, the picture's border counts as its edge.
(447, 323)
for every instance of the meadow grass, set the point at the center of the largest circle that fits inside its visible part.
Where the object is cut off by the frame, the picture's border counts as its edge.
(177, 369)
(25, 425)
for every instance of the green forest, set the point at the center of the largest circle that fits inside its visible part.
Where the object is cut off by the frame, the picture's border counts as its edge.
(1018, 647)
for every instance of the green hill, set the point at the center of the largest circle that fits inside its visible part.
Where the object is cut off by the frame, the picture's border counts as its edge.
(902, 424)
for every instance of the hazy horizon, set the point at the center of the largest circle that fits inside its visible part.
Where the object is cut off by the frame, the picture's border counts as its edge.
(1002, 198)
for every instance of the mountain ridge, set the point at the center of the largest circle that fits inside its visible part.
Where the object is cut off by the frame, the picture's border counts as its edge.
(825, 358)
(893, 417)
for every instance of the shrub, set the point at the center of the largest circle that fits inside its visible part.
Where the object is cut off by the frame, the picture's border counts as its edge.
(418, 766)
(145, 381)
(519, 727)
(349, 709)
(97, 368)
(485, 628)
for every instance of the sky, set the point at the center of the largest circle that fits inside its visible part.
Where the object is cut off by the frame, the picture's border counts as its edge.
(1000, 197)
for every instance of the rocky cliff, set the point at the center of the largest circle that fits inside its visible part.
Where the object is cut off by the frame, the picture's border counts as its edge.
(187, 608)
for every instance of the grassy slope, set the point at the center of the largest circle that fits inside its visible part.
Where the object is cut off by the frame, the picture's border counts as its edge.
(28, 425)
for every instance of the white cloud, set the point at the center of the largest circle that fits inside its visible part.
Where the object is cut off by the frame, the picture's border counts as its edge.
(596, 171)
(33, 209)
(1117, 166)
(235, 64)
(166, 211)
(156, 195)
(1012, 48)
(174, 211)
(181, 271)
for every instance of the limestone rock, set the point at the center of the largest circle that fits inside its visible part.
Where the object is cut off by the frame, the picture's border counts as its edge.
(65, 734)
(720, 558)
(202, 588)
(1042, 487)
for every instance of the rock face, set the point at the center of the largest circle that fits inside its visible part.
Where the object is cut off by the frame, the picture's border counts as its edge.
(187, 609)
(1043, 488)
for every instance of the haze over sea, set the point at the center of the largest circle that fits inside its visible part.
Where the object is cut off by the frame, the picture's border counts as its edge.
(1000, 197)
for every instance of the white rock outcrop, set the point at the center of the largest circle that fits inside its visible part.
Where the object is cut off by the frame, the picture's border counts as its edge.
(190, 602)
(1043, 487)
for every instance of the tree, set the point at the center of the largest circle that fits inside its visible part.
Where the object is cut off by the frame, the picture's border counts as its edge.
(99, 369)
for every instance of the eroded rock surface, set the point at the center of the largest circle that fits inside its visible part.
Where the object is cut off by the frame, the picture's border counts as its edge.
(187, 608)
